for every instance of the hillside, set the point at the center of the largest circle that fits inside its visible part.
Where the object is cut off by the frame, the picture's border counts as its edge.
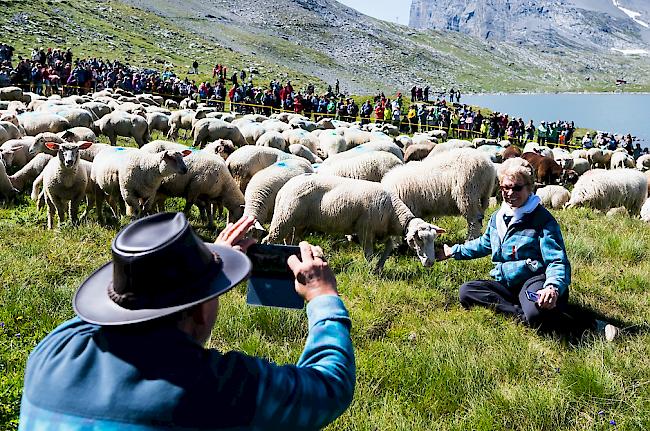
(329, 40)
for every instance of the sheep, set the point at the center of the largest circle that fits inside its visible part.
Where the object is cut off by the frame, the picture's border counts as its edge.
(171, 104)
(77, 134)
(7, 190)
(124, 124)
(264, 186)
(581, 165)
(369, 166)
(563, 158)
(331, 142)
(404, 141)
(209, 129)
(373, 146)
(77, 117)
(13, 131)
(255, 118)
(25, 177)
(494, 152)
(96, 109)
(547, 171)
(601, 189)
(4, 135)
(272, 139)
(645, 211)
(553, 196)
(579, 154)
(248, 160)
(348, 206)
(451, 144)
(180, 120)
(511, 152)
(11, 93)
(221, 147)
(188, 103)
(15, 152)
(643, 163)
(251, 132)
(417, 152)
(596, 158)
(36, 122)
(621, 160)
(423, 138)
(301, 137)
(305, 153)
(303, 124)
(534, 147)
(65, 180)
(207, 180)
(275, 125)
(458, 181)
(647, 176)
(354, 137)
(477, 142)
(441, 135)
(158, 121)
(159, 145)
(135, 175)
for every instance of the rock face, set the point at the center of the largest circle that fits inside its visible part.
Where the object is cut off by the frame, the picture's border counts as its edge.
(587, 24)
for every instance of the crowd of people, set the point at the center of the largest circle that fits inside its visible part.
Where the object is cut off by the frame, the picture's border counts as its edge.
(54, 70)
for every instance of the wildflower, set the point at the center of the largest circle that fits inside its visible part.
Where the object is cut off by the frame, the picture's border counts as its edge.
(612, 422)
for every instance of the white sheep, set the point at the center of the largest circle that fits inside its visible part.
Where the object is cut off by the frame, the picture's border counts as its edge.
(65, 181)
(553, 196)
(305, 153)
(207, 181)
(38, 146)
(596, 158)
(160, 145)
(621, 160)
(301, 137)
(13, 131)
(221, 147)
(264, 186)
(373, 146)
(77, 117)
(451, 144)
(417, 152)
(97, 109)
(15, 152)
(275, 125)
(25, 177)
(368, 165)
(539, 149)
(579, 154)
(643, 163)
(251, 131)
(248, 160)
(77, 134)
(272, 139)
(331, 142)
(348, 206)
(581, 165)
(209, 129)
(645, 211)
(602, 189)
(37, 122)
(158, 121)
(121, 123)
(563, 158)
(456, 182)
(7, 190)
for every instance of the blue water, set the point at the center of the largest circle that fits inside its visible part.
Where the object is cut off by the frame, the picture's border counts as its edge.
(618, 113)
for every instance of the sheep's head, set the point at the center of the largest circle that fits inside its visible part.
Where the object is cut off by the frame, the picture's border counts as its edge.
(11, 118)
(421, 236)
(39, 143)
(68, 153)
(172, 162)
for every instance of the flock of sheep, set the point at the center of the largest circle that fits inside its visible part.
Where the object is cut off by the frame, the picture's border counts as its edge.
(285, 170)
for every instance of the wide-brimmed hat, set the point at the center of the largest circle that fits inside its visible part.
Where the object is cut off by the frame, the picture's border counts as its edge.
(159, 267)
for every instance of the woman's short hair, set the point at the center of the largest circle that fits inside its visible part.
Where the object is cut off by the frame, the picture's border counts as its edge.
(517, 168)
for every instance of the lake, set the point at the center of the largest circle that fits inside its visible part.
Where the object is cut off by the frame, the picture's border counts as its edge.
(610, 112)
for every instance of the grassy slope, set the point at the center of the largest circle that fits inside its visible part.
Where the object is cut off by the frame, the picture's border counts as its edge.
(118, 31)
(423, 362)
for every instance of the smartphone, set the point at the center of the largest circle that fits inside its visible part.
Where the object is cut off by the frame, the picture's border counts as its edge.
(272, 283)
(532, 296)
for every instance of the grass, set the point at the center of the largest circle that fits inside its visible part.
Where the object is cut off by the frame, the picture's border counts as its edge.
(423, 362)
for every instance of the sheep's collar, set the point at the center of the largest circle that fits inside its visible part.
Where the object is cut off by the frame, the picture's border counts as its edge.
(406, 226)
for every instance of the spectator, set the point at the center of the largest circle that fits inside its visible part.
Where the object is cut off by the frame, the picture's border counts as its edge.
(135, 353)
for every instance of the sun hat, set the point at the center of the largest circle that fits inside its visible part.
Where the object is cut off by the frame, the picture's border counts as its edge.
(159, 267)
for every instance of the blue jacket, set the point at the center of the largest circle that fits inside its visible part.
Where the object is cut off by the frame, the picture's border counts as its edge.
(530, 247)
(89, 377)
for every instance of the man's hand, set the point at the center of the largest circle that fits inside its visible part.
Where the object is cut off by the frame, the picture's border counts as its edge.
(233, 235)
(547, 298)
(443, 253)
(313, 276)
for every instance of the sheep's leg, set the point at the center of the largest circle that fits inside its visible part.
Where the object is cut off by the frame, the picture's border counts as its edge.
(74, 209)
(99, 202)
(90, 203)
(58, 206)
(132, 205)
(389, 246)
(51, 210)
(113, 139)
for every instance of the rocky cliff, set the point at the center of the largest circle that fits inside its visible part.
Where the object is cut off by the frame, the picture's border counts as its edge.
(584, 24)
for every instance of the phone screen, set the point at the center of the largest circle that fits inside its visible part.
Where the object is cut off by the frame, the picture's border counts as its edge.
(532, 296)
(272, 282)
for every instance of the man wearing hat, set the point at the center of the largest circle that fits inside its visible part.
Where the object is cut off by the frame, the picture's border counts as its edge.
(134, 359)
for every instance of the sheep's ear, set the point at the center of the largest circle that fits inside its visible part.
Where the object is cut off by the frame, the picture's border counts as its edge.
(438, 230)
(186, 153)
(85, 145)
(52, 146)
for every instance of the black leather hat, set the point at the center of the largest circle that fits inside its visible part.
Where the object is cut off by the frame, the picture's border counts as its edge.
(160, 266)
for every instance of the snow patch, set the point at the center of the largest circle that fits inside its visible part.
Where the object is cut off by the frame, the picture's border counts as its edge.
(634, 51)
(632, 14)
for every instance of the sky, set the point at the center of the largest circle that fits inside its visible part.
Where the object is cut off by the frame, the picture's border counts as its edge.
(388, 10)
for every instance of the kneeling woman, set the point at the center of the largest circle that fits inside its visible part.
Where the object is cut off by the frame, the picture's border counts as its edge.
(532, 272)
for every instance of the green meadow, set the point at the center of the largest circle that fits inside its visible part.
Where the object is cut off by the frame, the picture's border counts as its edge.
(423, 362)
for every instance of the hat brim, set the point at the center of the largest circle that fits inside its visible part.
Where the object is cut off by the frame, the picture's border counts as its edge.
(92, 303)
